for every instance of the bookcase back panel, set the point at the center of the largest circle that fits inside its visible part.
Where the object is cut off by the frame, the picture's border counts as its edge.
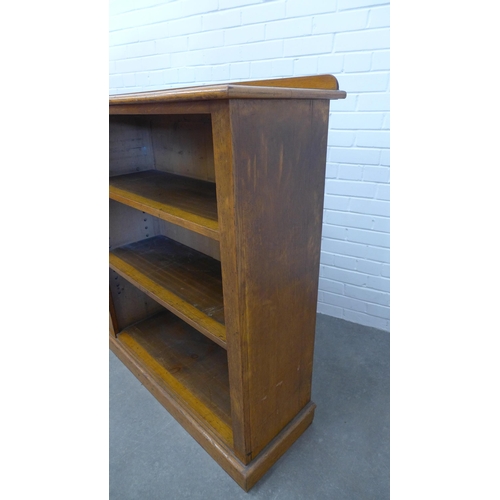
(178, 144)
(203, 244)
(130, 304)
(128, 225)
(130, 148)
(183, 145)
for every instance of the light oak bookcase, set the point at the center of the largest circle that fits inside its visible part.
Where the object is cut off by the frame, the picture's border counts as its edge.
(216, 202)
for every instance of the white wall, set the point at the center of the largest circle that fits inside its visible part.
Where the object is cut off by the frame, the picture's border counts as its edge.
(178, 43)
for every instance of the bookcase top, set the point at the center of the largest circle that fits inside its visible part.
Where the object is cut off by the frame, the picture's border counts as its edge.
(307, 87)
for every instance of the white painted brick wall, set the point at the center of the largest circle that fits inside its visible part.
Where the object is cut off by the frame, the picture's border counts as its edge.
(155, 44)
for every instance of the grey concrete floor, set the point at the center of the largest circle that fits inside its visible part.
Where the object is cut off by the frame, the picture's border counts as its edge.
(344, 454)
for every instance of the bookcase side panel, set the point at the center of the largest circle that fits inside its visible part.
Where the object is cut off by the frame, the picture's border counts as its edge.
(279, 157)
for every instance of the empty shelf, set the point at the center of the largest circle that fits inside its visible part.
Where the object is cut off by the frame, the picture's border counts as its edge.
(184, 201)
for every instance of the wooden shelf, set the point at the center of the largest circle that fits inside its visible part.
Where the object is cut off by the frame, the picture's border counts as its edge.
(186, 365)
(184, 201)
(181, 279)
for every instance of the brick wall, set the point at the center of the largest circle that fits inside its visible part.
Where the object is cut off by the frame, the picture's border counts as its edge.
(157, 44)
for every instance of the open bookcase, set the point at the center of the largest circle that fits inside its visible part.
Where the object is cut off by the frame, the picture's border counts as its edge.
(216, 201)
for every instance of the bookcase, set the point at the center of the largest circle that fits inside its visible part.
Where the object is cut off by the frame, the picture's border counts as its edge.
(216, 202)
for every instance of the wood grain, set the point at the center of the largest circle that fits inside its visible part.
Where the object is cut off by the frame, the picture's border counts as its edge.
(277, 447)
(113, 320)
(325, 81)
(130, 147)
(226, 91)
(307, 82)
(182, 145)
(185, 363)
(189, 203)
(229, 249)
(183, 280)
(170, 107)
(278, 169)
(128, 225)
(203, 244)
(128, 303)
